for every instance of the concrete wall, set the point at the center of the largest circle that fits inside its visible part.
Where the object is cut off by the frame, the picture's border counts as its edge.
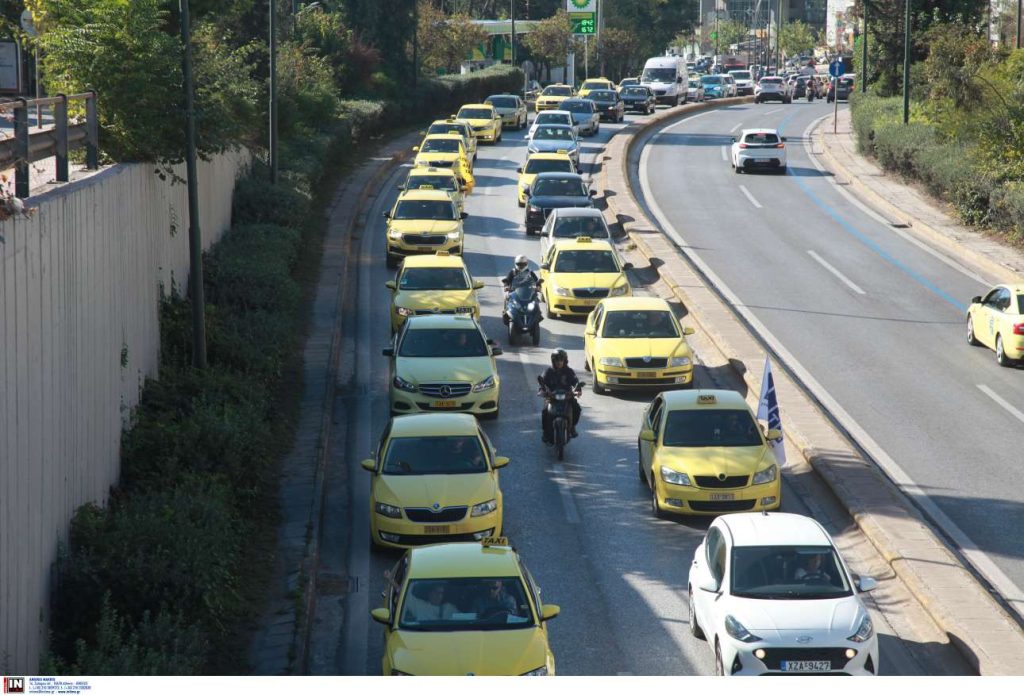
(79, 333)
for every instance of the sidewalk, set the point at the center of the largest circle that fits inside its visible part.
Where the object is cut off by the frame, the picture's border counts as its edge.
(906, 204)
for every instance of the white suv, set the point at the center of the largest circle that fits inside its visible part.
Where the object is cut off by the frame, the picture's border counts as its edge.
(744, 82)
(759, 148)
(773, 89)
(771, 595)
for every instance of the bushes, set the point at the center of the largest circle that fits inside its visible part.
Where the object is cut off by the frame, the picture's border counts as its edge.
(1007, 210)
(897, 146)
(866, 112)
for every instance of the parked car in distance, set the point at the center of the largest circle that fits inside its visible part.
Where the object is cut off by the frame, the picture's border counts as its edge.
(695, 90)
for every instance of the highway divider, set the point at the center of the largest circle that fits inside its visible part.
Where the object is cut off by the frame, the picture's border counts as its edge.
(977, 625)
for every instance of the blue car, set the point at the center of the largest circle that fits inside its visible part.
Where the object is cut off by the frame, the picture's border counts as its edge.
(714, 86)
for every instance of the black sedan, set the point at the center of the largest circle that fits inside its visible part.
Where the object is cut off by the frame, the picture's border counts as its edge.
(554, 189)
(609, 104)
(638, 98)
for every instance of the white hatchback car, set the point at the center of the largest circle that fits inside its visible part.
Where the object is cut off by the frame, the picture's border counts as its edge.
(552, 117)
(759, 148)
(771, 595)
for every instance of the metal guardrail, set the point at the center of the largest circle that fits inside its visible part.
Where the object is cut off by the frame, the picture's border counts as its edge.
(56, 141)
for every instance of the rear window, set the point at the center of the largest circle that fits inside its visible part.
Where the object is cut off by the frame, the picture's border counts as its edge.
(634, 92)
(711, 79)
(578, 106)
(572, 227)
(438, 182)
(539, 166)
(502, 102)
(742, 75)
(761, 139)
(603, 95)
(771, 80)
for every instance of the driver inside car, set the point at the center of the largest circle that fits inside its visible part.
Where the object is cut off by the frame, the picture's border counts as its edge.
(495, 601)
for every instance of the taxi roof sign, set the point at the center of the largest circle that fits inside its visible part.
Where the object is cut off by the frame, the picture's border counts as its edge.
(706, 399)
(563, 151)
(583, 240)
(494, 540)
(441, 253)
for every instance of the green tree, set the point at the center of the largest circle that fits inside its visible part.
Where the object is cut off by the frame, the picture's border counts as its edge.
(618, 51)
(550, 40)
(446, 40)
(731, 32)
(653, 23)
(797, 37)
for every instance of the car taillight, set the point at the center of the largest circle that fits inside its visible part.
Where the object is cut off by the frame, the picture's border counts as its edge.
(743, 146)
(1018, 329)
(781, 145)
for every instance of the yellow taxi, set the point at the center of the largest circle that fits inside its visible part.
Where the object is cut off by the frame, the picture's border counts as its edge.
(553, 96)
(997, 321)
(511, 108)
(537, 163)
(423, 221)
(454, 125)
(435, 480)
(578, 273)
(443, 363)
(464, 609)
(590, 85)
(703, 452)
(433, 178)
(636, 342)
(484, 119)
(438, 284)
(445, 150)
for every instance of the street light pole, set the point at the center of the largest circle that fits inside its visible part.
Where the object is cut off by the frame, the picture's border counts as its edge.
(512, 3)
(272, 11)
(1020, 12)
(906, 67)
(778, 41)
(864, 54)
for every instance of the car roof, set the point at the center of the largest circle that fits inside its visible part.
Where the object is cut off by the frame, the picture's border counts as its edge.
(475, 106)
(433, 424)
(503, 94)
(577, 212)
(443, 136)
(557, 84)
(775, 528)
(555, 112)
(425, 194)
(430, 171)
(449, 121)
(635, 304)
(428, 321)
(558, 175)
(427, 260)
(588, 245)
(452, 560)
(687, 400)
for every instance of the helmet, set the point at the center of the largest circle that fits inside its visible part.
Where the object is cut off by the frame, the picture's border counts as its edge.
(522, 261)
(559, 354)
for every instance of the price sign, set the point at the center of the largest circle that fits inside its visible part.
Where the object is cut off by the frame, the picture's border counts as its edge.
(583, 23)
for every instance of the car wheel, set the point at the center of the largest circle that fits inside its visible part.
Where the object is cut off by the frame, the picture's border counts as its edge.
(971, 340)
(694, 626)
(522, 205)
(640, 465)
(491, 416)
(391, 261)
(719, 667)
(498, 139)
(597, 388)
(655, 509)
(739, 170)
(535, 335)
(586, 364)
(1001, 357)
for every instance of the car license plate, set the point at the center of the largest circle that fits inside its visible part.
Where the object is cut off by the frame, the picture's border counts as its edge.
(806, 665)
(425, 249)
(588, 302)
(435, 530)
(722, 496)
(647, 375)
(445, 404)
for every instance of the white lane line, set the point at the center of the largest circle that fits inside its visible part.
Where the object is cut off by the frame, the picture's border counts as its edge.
(735, 127)
(571, 515)
(750, 197)
(769, 113)
(981, 561)
(725, 157)
(1001, 401)
(832, 269)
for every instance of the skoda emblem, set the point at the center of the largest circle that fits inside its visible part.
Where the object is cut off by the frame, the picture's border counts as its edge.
(647, 359)
(436, 506)
(721, 476)
(804, 639)
(446, 391)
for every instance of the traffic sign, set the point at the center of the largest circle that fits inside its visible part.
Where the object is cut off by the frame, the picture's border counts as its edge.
(836, 68)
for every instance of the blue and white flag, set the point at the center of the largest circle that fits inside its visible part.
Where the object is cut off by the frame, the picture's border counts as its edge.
(768, 410)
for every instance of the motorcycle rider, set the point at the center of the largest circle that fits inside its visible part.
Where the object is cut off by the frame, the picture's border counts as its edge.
(520, 274)
(560, 376)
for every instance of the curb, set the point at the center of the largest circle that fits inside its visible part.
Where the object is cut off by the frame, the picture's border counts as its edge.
(951, 244)
(881, 511)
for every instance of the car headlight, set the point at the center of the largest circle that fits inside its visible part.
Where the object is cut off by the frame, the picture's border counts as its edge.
(736, 630)
(864, 632)
(454, 235)
(524, 186)
(542, 671)
(674, 477)
(487, 383)
(403, 311)
(562, 291)
(610, 361)
(534, 208)
(403, 385)
(679, 362)
(768, 475)
(394, 234)
(484, 508)
(388, 510)
(618, 290)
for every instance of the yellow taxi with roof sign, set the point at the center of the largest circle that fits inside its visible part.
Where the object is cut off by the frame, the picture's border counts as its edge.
(703, 452)
(435, 480)
(438, 284)
(553, 96)
(590, 85)
(443, 150)
(537, 163)
(997, 322)
(464, 609)
(433, 178)
(636, 342)
(454, 125)
(423, 221)
(484, 119)
(578, 273)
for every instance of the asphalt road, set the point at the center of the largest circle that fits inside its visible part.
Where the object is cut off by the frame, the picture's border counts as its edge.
(584, 527)
(875, 318)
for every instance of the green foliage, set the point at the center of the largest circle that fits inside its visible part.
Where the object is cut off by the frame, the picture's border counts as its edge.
(1007, 210)
(654, 24)
(897, 145)
(797, 37)
(868, 112)
(259, 201)
(445, 40)
(730, 32)
(550, 39)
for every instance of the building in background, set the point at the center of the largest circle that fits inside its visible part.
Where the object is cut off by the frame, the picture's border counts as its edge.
(840, 25)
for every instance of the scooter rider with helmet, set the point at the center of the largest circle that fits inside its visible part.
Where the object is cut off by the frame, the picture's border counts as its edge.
(520, 274)
(560, 376)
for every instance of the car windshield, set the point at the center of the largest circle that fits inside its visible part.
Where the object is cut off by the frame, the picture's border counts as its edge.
(540, 166)
(602, 95)
(741, 75)
(771, 80)
(578, 105)
(799, 572)
(433, 279)
(502, 102)
(628, 81)
(711, 79)
(436, 145)
(548, 117)
(639, 324)
(559, 187)
(476, 114)
(445, 129)
(761, 139)
(465, 604)
(443, 342)
(634, 92)
(434, 456)
(436, 181)
(717, 427)
(595, 84)
(557, 92)
(585, 262)
(425, 210)
(572, 227)
(553, 133)
(658, 75)
(694, 84)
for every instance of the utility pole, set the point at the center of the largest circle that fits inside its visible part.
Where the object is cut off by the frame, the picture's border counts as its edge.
(195, 237)
(906, 67)
(415, 43)
(512, 3)
(864, 54)
(778, 41)
(1020, 16)
(272, 7)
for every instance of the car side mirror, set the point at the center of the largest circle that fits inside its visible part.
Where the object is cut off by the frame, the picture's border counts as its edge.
(648, 435)
(519, 170)
(496, 350)
(381, 615)
(627, 266)
(688, 331)
(549, 611)
(866, 583)
(464, 215)
(416, 148)
(388, 352)
(386, 214)
(733, 139)
(773, 435)
(708, 583)
(526, 191)
(975, 300)
(545, 266)
(593, 192)
(390, 284)
(501, 461)
(478, 284)
(369, 465)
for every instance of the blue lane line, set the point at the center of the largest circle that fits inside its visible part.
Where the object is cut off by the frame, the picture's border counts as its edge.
(863, 238)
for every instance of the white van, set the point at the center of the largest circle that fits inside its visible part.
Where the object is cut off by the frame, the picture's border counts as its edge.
(667, 78)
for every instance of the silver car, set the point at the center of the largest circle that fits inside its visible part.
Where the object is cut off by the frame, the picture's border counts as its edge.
(695, 90)
(584, 114)
(553, 117)
(555, 138)
(572, 223)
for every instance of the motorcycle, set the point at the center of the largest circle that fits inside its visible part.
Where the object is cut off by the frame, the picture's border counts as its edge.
(522, 313)
(559, 407)
(811, 89)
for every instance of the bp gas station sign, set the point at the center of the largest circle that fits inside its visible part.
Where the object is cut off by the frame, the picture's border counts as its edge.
(582, 16)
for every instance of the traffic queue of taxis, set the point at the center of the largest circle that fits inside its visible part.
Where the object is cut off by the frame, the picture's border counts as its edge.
(460, 600)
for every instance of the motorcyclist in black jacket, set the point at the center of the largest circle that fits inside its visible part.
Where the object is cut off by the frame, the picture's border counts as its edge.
(560, 376)
(520, 274)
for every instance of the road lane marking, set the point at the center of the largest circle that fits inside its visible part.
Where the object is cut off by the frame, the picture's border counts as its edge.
(832, 269)
(735, 127)
(769, 113)
(725, 157)
(1010, 592)
(750, 197)
(1001, 401)
(571, 515)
